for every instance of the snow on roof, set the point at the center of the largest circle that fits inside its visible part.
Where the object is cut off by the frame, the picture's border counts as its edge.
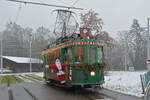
(22, 59)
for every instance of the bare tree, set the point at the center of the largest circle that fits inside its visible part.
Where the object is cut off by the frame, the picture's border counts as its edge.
(134, 42)
(91, 21)
(16, 40)
(13, 39)
(42, 37)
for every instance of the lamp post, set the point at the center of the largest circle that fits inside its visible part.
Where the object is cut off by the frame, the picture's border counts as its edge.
(1, 53)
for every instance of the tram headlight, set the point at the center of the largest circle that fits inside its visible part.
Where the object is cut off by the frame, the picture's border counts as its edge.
(92, 73)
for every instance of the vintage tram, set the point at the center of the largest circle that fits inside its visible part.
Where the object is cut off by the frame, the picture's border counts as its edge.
(78, 62)
(72, 61)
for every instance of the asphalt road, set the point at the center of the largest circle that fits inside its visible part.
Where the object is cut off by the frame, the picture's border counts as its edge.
(118, 96)
(147, 97)
(41, 91)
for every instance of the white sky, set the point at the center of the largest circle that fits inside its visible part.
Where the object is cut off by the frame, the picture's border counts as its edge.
(116, 14)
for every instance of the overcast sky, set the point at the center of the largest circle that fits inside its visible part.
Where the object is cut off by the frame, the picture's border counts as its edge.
(116, 14)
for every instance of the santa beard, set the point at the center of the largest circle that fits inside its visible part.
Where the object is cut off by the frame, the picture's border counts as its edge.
(58, 64)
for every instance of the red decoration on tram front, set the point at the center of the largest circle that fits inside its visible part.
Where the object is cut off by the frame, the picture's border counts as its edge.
(84, 32)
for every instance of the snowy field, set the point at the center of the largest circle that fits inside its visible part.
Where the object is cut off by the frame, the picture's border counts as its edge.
(124, 82)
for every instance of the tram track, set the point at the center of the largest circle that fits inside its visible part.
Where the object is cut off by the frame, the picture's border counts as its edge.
(30, 91)
(10, 93)
(27, 90)
(27, 78)
(31, 94)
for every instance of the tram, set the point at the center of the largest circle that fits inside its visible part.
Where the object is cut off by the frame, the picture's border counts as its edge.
(77, 62)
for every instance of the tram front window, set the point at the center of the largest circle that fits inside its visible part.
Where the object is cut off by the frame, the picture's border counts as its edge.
(100, 56)
(79, 54)
(91, 54)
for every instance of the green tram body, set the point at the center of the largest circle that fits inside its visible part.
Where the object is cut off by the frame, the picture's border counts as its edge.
(67, 53)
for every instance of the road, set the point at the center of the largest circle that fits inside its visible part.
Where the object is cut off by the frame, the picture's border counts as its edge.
(118, 96)
(147, 97)
(41, 91)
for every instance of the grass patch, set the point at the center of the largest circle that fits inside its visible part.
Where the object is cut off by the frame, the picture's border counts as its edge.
(143, 97)
(35, 77)
(4, 80)
(11, 79)
(19, 80)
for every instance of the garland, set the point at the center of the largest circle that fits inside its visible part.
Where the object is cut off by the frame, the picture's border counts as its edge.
(90, 67)
(81, 66)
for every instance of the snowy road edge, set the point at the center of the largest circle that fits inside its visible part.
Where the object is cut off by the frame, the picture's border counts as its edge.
(121, 93)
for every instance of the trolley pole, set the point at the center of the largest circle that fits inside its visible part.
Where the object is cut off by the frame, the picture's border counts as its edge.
(1, 53)
(148, 46)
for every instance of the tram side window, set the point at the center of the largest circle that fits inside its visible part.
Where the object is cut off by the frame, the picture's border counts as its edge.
(79, 54)
(100, 56)
(70, 55)
(58, 54)
(91, 54)
(55, 56)
(48, 59)
(44, 59)
(52, 60)
(65, 55)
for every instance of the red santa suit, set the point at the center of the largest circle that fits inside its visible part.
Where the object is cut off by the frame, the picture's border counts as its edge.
(58, 67)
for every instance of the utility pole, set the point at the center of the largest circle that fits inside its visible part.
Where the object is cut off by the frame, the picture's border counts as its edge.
(148, 46)
(30, 53)
(1, 53)
(125, 55)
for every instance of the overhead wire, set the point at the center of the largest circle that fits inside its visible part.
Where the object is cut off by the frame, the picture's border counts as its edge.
(63, 2)
(75, 2)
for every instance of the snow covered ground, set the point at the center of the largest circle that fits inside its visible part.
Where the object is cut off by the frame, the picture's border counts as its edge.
(124, 82)
(41, 74)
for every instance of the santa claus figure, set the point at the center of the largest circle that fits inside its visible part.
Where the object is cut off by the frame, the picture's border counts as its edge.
(59, 70)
